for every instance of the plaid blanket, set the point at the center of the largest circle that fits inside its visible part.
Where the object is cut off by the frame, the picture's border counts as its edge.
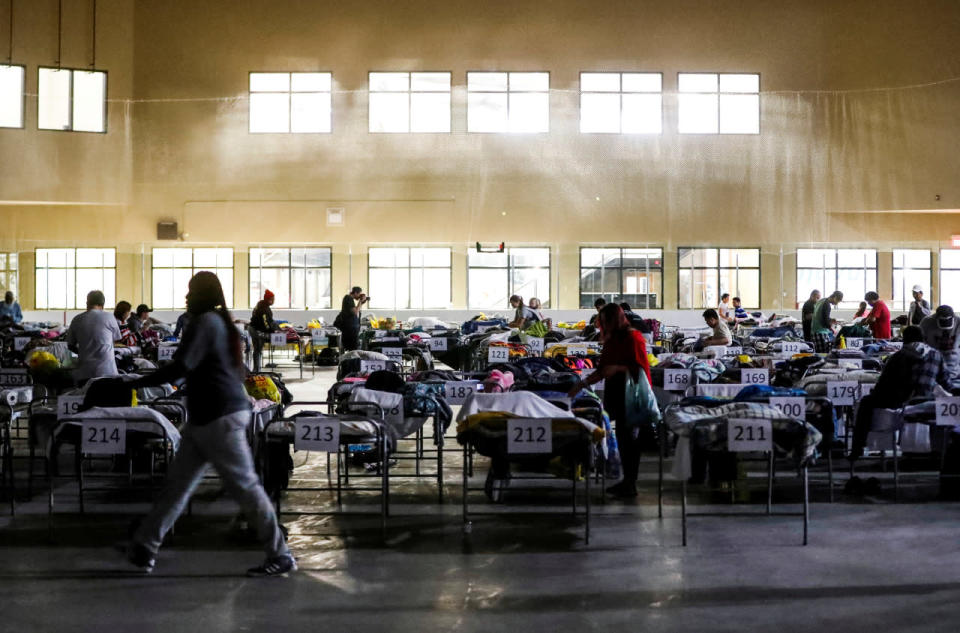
(706, 427)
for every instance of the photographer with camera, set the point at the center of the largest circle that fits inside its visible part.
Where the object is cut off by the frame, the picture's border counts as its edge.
(348, 321)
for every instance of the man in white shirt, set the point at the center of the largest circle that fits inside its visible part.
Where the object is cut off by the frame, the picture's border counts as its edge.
(92, 335)
(723, 309)
(721, 333)
(919, 308)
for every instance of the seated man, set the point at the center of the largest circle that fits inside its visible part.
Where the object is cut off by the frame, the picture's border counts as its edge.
(723, 309)
(721, 333)
(739, 313)
(10, 309)
(941, 331)
(914, 371)
(524, 316)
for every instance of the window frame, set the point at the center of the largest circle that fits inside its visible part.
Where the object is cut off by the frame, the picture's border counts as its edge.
(410, 92)
(509, 268)
(905, 304)
(409, 269)
(719, 93)
(106, 99)
(620, 269)
(836, 274)
(719, 268)
(6, 271)
(289, 268)
(290, 94)
(193, 268)
(508, 92)
(77, 296)
(620, 94)
(23, 98)
(940, 270)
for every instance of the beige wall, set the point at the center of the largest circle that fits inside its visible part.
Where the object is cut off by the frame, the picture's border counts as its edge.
(833, 148)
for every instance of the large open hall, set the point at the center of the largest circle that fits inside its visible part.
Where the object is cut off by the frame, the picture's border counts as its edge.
(424, 315)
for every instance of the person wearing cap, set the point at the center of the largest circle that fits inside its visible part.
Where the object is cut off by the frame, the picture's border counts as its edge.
(92, 335)
(348, 321)
(919, 307)
(821, 328)
(140, 319)
(261, 325)
(10, 309)
(879, 318)
(940, 331)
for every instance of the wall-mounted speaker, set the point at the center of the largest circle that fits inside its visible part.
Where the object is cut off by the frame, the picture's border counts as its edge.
(167, 231)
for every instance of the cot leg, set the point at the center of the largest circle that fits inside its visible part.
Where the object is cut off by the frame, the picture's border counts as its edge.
(896, 468)
(806, 505)
(78, 457)
(385, 491)
(340, 451)
(660, 471)
(770, 483)
(439, 433)
(467, 526)
(683, 510)
(830, 470)
(587, 492)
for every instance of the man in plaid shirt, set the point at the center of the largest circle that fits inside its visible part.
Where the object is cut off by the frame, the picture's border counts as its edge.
(914, 371)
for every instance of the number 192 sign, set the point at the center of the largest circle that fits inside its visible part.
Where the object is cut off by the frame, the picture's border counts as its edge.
(526, 436)
(745, 436)
(316, 434)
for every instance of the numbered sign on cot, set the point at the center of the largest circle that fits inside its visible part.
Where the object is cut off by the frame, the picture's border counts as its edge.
(577, 349)
(536, 345)
(498, 355)
(948, 411)
(526, 436)
(458, 392)
(676, 379)
(19, 342)
(754, 376)
(438, 344)
(68, 405)
(793, 407)
(789, 348)
(370, 366)
(316, 434)
(393, 353)
(749, 435)
(103, 437)
(843, 393)
(277, 339)
(318, 339)
(14, 378)
(166, 352)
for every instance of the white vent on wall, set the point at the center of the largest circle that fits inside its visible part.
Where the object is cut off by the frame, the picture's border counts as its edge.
(335, 216)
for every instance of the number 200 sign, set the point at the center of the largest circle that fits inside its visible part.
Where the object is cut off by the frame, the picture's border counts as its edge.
(948, 411)
(529, 436)
(793, 407)
(749, 435)
(316, 434)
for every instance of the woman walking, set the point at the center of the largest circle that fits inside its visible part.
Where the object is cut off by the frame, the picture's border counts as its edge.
(624, 351)
(211, 358)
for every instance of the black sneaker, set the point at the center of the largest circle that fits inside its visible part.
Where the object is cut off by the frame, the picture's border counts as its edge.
(277, 566)
(141, 557)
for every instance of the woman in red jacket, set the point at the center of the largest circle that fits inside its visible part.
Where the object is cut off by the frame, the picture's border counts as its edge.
(624, 350)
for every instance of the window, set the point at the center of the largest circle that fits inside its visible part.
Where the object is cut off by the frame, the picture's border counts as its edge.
(508, 102)
(911, 267)
(11, 95)
(298, 277)
(72, 100)
(298, 103)
(712, 103)
(634, 275)
(493, 277)
(409, 278)
(621, 103)
(173, 268)
(851, 271)
(410, 102)
(64, 276)
(949, 279)
(8, 273)
(706, 273)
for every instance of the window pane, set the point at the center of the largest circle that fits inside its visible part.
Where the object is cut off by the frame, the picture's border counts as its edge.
(697, 257)
(744, 284)
(647, 258)
(389, 112)
(317, 288)
(739, 257)
(53, 109)
(163, 257)
(599, 82)
(205, 258)
(590, 257)
(854, 283)
(317, 256)
(856, 258)
(486, 112)
(532, 282)
(642, 82)
(495, 82)
(487, 288)
(530, 256)
(529, 81)
(310, 82)
(389, 257)
(642, 114)
(809, 280)
(642, 289)
(911, 258)
(269, 82)
(89, 101)
(600, 113)
(950, 259)
(430, 112)
(816, 258)
(436, 288)
(698, 288)
(226, 280)
(182, 257)
(739, 114)
(903, 283)
(310, 113)
(487, 260)
(393, 82)
(697, 82)
(383, 292)
(698, 114)
(529, 113)
(269, 113)
(430, 82)
(277, 280)
(225, 258)
(433, 256)
(950, 287)
(11, 96)
(740, 83)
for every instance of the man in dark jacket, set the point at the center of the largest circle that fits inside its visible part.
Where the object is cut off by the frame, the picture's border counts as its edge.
(261, 325)
(348, 321)
(806, 314)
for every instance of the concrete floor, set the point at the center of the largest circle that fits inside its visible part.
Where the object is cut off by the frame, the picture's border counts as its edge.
(871, 565)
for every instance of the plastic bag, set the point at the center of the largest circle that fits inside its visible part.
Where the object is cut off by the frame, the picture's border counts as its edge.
(640, 403)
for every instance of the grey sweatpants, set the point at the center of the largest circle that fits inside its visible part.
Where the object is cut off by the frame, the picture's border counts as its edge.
(223, 443)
